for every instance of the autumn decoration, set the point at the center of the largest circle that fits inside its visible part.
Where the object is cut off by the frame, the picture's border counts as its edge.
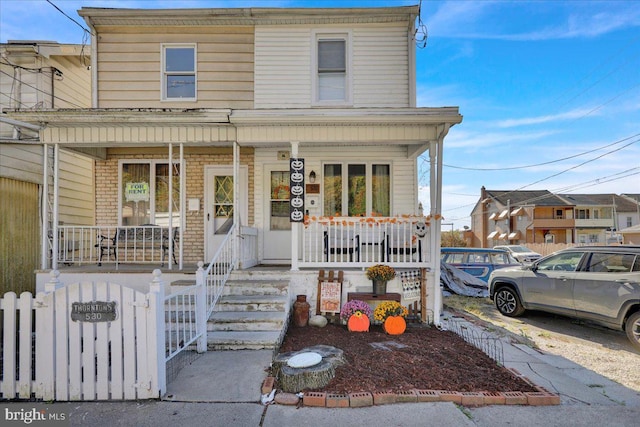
(357, 314)
(380, 272)
(391, 314)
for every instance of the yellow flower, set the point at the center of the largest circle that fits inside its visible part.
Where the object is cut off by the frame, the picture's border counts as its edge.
(380, 272)
(389, 308)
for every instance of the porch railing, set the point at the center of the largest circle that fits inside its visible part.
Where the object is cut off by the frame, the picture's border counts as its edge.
(401, 241)
(145, 244)
(216, 274)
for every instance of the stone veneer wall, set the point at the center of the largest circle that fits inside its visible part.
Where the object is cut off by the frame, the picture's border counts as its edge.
(195, 161)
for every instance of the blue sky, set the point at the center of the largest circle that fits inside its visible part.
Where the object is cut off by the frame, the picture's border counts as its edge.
(549, 90)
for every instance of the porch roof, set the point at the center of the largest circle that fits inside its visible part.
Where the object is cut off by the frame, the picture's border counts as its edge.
(222, 127)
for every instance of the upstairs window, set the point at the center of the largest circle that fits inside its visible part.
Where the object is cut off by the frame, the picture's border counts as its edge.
(179, 72)
(332, 73)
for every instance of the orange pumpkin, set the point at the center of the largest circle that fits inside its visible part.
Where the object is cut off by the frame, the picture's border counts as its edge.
(358, 322)
(394, 325)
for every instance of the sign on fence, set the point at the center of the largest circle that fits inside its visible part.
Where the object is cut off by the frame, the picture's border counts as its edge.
(94, 311)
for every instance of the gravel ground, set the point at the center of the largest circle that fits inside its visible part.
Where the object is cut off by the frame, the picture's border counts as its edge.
(601, 350)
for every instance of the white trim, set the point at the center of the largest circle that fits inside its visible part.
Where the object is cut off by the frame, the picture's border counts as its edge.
(332, 34)
(164, 73)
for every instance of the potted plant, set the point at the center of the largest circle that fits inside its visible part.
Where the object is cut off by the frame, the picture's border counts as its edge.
(391, 314)
(357, 314)
(380, 274)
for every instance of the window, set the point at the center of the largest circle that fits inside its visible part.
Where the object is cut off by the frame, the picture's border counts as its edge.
(365, 189)
(179, 72)
(559, 214)
(583, 214)
(331, 76)
(141, 180)
(629, 222)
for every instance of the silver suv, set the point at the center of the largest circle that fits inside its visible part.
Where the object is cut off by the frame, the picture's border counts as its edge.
(522, 253)
(596, 283)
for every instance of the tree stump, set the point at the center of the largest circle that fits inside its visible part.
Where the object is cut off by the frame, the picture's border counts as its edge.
(294, 380)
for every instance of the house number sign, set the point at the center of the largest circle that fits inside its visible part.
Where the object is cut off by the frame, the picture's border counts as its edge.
(94, 311)
(296, 200)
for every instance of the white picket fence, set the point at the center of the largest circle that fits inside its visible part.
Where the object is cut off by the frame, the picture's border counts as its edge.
(63, 346)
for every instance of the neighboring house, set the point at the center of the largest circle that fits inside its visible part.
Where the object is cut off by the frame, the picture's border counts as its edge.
(197, 112)
(38, 75)
(595, 216)
(630, 235)
(628, 214)
(520, 217)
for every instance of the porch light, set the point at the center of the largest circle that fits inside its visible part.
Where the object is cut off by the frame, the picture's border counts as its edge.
(312, 177)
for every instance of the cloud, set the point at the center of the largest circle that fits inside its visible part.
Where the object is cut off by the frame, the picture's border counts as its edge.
(569, 115)
(486, 20)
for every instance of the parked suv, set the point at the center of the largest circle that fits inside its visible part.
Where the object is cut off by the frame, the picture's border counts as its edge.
(596, 283)
(522, 253)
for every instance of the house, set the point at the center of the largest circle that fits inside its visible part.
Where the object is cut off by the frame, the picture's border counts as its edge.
(283, 136)
(39, 75)
(519, 217)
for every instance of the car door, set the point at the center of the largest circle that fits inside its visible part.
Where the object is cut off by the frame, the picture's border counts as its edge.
(604, 283)
(549, 284)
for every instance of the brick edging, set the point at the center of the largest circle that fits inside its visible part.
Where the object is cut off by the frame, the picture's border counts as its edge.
(540, 397)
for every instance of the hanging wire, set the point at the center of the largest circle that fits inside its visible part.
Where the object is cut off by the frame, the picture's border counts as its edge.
(420, 34)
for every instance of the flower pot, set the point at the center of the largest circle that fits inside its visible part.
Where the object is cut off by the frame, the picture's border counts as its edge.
(358, 322)
(379, 287)
(394, 325)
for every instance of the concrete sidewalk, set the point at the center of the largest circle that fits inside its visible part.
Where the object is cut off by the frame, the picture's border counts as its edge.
(223, 389)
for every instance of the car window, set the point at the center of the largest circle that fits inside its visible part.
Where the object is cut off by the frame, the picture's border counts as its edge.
(500, 259)
(561, 262)
(610, 263)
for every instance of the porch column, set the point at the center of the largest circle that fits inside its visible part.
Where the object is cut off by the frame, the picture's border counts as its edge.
(169, 236)
(56, 173)
(236, 205)
(44, 239)
(295, 226)
(183, 205)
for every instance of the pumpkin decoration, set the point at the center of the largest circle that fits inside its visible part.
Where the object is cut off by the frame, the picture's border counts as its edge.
(358, 322)
(357, 315)
(394, 325)
(391, 314)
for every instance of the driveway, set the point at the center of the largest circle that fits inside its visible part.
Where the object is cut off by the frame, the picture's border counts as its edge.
(604, 351)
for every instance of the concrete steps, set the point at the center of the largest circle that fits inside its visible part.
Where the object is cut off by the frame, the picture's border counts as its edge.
(251, 313)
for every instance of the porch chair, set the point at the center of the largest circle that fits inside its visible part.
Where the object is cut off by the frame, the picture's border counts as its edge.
(108, 246)
(165, 245)
(341, 241)
(403, 242)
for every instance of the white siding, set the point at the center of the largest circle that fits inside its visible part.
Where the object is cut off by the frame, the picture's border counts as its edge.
(77, 196)
(21, 162)
(380, 65)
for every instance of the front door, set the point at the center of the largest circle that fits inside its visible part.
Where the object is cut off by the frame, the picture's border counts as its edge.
(277, 228)
(218, 213)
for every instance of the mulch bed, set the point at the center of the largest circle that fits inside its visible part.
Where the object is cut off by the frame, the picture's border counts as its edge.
(423, 357)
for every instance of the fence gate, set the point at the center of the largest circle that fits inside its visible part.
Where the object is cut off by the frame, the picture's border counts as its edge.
(92, 341)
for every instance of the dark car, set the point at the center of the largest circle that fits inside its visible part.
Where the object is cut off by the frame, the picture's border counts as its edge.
(596, 283)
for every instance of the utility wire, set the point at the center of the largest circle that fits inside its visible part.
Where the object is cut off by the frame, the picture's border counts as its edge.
(544, 163)
(70, 18)
(42, 91)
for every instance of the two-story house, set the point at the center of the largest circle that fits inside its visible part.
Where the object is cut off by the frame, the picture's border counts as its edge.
(599, 216)
(39, 75)
(293, 132)
(519, 217)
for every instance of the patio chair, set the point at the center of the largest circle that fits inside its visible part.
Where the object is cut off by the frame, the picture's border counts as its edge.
(403, 242)
(165, 245)
(338, 241)
(108, 246)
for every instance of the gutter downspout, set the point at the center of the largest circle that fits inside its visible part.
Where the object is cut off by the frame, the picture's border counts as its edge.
(44, 197)
(94, 63)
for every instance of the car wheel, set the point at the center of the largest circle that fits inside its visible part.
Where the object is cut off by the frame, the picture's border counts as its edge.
(632, 328)
(508, 302)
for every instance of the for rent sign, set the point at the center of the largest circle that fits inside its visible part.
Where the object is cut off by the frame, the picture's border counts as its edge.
(136, 192)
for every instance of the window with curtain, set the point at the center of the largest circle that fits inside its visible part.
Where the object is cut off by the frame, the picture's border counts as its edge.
(365, 189)
(145, 193)
(380, 190)
(333, 190)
